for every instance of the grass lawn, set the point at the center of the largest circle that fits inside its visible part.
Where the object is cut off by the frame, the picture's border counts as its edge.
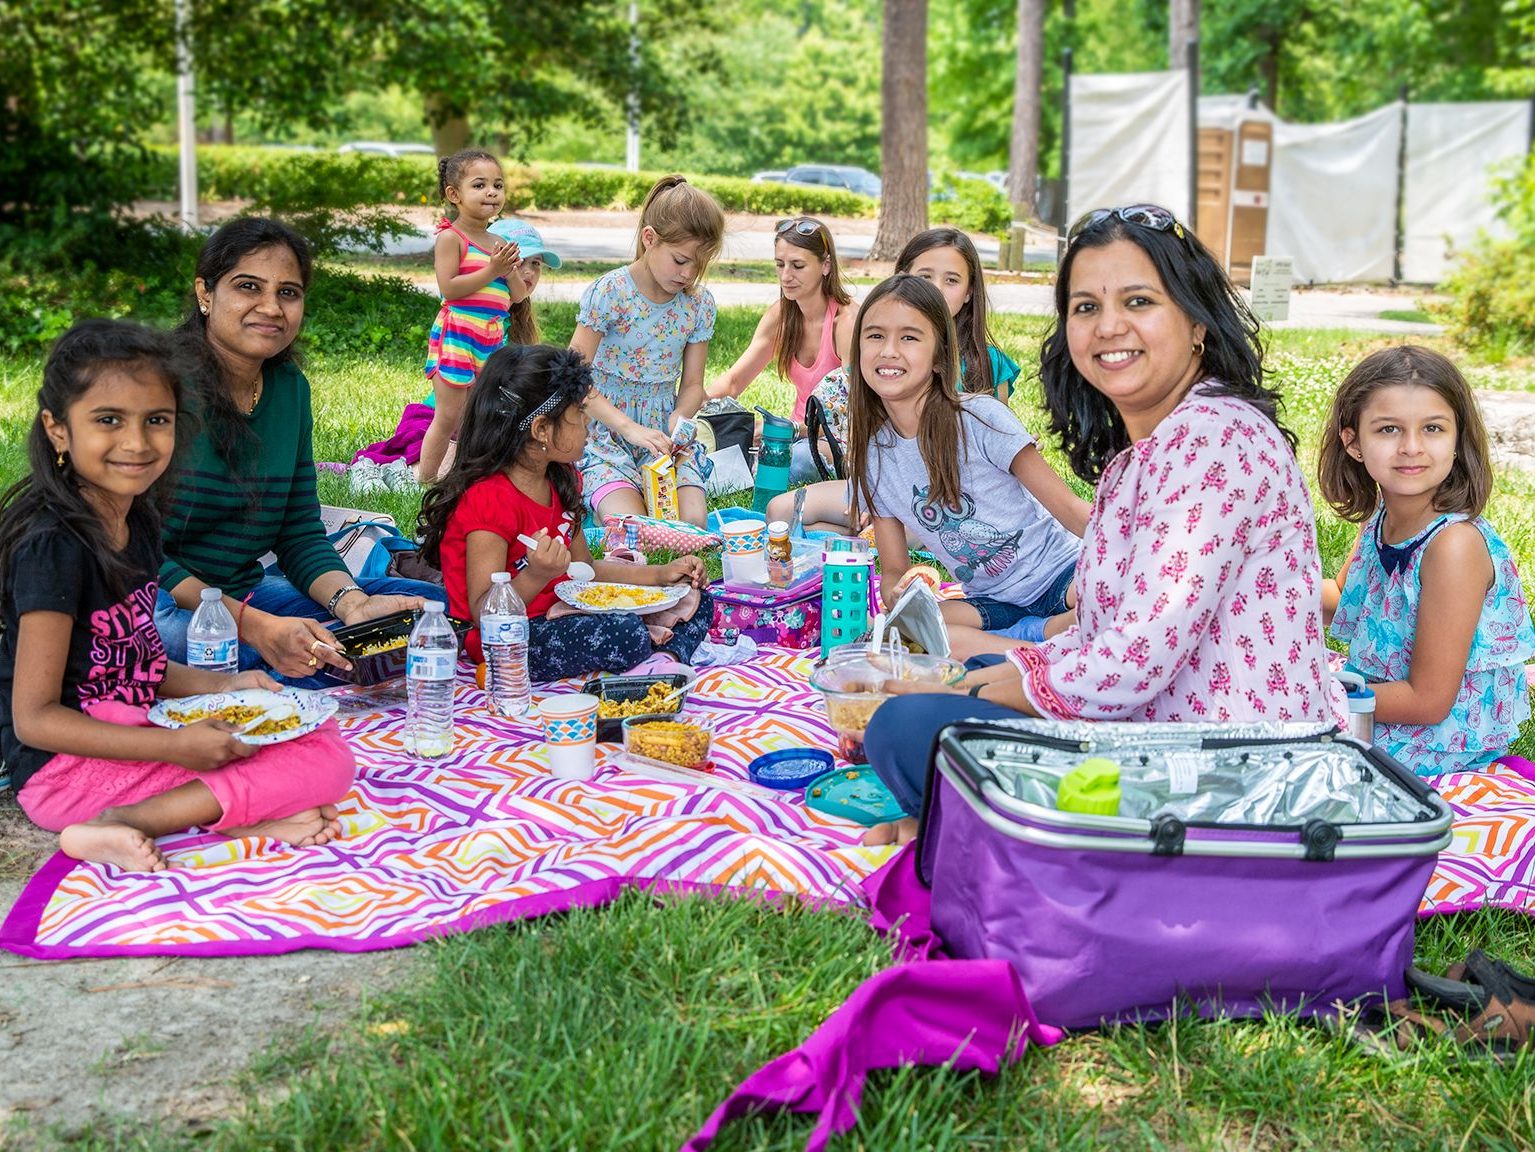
(624, 1026)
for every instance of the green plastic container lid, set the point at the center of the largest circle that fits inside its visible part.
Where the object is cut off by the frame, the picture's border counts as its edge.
(1091, 787)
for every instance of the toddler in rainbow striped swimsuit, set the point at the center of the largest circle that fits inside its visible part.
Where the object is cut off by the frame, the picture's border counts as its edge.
(472, 265)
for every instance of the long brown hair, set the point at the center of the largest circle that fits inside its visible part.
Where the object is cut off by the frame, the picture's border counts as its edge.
(792, 320)
(678, 212)
(970, 321)
(941, 433)
(1344, 481)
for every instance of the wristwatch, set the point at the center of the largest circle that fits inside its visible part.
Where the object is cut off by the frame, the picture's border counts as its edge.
(340, 592)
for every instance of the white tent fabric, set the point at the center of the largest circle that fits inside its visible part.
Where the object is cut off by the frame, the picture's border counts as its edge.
(1130, 142)
(1453, 152)
(1333, 197)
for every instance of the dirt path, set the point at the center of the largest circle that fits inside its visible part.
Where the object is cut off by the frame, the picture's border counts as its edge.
(152, 1039)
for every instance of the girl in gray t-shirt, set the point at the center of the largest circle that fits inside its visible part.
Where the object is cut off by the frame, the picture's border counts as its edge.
(959, 472)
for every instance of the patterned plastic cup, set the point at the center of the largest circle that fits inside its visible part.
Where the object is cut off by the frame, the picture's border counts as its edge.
(746, 551)
(570, 734)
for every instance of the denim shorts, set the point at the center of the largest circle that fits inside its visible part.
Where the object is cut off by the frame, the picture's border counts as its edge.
(999, 614)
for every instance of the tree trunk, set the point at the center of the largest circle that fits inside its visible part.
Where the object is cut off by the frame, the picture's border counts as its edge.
(1023, 156)
(1268, 69)
(1182, 26)
(450, 127)
(903, 128)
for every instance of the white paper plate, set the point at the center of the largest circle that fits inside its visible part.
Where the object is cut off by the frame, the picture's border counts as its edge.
(314, 708)
(570, 592)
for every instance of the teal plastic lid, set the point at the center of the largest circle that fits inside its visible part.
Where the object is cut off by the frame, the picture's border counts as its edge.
(855, 794)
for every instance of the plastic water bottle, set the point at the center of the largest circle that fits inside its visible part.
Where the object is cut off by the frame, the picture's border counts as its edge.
(431, 659)
(212, 642)
(504, 639)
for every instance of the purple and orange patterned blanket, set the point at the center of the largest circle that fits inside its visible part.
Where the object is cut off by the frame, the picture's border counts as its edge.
(486, 836)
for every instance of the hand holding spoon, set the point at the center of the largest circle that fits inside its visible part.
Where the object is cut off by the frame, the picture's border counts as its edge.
(578, 570)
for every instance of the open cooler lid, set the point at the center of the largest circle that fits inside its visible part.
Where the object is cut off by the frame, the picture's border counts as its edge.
(1193, 788)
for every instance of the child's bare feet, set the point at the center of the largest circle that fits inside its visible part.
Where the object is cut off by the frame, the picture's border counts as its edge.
(312, 826)
(891, 832)
(103, 842)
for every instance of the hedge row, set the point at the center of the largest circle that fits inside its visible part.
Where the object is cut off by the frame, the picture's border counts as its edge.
(339, 180)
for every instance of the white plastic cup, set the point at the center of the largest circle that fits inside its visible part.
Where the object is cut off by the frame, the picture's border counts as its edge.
(570, 735)
(746, 551)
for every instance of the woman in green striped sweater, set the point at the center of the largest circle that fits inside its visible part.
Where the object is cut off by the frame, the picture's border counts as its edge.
(245, 485)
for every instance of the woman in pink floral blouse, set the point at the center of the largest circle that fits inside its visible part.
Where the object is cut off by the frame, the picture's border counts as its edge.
(1198, 591)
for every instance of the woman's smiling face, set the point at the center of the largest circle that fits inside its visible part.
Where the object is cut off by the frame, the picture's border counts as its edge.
(255, 311)
(1127, 336)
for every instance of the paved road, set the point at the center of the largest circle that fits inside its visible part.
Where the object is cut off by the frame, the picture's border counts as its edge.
(1357, 310)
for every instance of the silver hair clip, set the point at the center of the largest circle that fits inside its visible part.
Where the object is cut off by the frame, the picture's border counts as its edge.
(543, 409)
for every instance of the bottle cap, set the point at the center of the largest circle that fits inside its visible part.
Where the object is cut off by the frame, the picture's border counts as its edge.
(778, 528)
(1091, 787)
(432, 606)
(500, 577)
(211, 594)
(1361, 700)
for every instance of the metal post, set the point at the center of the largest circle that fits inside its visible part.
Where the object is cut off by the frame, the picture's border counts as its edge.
(1191, 63)
(186, 117)
(1065, 145)
(1401, 193)
(632, 135)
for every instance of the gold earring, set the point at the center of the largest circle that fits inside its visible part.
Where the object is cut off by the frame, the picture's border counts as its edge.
(203, 308)
(58, 461)
(1199, 348)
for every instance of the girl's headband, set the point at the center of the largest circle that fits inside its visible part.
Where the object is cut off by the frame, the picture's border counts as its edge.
(569, 380)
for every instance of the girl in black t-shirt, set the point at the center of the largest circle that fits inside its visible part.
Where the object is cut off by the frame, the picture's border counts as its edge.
(80, 659)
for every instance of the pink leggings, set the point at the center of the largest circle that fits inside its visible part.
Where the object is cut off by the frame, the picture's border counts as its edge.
(277, 780)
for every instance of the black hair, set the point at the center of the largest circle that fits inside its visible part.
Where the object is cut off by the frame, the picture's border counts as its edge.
(1231, 364)
(218, 257)
(78, 358)
(516, 382)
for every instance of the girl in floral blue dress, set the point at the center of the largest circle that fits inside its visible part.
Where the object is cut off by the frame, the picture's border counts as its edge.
(1429, 599)
(645, 330)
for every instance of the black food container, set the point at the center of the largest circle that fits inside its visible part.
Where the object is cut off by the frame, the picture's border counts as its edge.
(386, 665)
(611, 730)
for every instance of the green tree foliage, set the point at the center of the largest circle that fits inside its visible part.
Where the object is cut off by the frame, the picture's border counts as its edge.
(509, 67)
(75, 91)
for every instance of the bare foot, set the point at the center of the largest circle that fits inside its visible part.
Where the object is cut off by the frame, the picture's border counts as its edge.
(105, 842)
(312, 826)
(896, 832)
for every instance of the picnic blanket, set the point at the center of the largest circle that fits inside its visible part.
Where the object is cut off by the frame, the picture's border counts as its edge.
(482, 836)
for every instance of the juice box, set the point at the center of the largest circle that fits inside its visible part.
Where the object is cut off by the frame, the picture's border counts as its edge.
(661, 488)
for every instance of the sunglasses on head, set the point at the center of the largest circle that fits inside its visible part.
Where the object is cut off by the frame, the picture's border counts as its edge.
(1146, 215)
(801, 224)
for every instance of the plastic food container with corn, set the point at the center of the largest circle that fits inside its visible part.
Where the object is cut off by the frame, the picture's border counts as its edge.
(852, 684)
(685, 741)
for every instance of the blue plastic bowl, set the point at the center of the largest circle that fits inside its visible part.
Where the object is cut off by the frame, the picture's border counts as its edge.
(789, 768)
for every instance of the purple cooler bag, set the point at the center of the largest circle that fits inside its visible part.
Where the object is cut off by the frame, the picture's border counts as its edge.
(1251, 868)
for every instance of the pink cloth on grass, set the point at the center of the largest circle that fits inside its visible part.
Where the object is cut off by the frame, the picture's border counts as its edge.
(405, 444)
(275, 781)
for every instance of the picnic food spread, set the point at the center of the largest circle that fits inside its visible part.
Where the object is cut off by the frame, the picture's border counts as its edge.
(238, 715)
(673, 741)
(619, 596)
(661, 697)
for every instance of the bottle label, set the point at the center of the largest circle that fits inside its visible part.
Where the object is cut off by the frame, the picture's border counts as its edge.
(503, 630)
(430, 664)
(214, 653)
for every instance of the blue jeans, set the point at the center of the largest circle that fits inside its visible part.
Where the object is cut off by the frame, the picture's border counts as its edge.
(1000, 616)
(903, 732)
(277, 596)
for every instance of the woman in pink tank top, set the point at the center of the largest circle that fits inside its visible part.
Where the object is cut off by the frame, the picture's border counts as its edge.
(806, 333)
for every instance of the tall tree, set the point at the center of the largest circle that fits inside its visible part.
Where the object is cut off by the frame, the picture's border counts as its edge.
(1028, 90)
(903, 128)
(1182, 26)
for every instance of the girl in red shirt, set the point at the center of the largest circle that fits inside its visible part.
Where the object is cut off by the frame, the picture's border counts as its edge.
(514, 475)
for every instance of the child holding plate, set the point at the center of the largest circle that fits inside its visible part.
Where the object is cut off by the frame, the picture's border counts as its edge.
(511, 502)
(79, 558)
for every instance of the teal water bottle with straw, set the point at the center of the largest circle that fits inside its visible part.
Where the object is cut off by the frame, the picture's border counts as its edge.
(773, 461)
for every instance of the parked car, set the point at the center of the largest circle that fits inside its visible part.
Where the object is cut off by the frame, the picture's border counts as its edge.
(769, 176)
(859, 180)
(387, 148)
